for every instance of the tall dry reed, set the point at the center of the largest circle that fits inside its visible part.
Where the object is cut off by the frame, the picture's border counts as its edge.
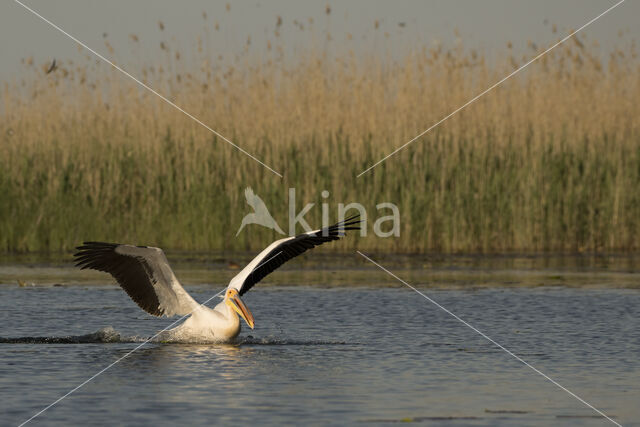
(549, 161)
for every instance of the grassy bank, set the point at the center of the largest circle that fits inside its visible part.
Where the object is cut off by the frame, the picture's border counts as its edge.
(549, 161)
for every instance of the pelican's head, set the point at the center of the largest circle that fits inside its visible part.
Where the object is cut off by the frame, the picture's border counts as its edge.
(232, 299)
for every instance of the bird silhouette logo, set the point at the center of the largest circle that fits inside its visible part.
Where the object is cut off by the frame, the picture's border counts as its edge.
(260, 214)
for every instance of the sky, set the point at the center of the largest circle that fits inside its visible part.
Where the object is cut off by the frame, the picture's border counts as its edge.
(486, 25)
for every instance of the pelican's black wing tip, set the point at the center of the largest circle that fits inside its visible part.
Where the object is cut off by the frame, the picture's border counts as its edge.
(89, 249)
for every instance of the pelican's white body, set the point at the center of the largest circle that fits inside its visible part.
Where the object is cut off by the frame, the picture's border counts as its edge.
(220, 324)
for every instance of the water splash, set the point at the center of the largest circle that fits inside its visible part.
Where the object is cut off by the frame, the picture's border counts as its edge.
(104, 335)
(109, 335)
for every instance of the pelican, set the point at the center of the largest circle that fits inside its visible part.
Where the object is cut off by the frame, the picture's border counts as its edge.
(145, 275)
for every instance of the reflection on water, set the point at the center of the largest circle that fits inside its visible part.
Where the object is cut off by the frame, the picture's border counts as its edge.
(351, 355)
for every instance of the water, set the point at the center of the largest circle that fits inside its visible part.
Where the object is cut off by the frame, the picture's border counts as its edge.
(358, 353)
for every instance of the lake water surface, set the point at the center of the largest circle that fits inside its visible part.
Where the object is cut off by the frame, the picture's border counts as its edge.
(347, 344)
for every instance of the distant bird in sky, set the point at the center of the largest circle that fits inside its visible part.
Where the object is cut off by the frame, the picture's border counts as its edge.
(144, 273)
(260, 214)
(52, 67)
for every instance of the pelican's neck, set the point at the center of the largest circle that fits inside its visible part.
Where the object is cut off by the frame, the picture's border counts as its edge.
(229, 312)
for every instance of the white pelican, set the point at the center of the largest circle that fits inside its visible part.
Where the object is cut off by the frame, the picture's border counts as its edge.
(144, 273)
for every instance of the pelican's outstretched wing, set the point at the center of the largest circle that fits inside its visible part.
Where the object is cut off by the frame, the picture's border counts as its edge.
(285, 249)
(143, 272)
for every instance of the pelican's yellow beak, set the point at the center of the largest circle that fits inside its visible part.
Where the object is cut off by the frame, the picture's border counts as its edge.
(234, 301)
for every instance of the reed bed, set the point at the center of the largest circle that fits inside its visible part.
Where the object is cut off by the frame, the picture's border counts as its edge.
(549, 161)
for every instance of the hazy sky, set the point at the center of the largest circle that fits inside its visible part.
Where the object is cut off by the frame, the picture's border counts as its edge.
(487, 25)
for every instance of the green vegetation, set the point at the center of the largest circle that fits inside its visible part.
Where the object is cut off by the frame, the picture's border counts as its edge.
(549, 161)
